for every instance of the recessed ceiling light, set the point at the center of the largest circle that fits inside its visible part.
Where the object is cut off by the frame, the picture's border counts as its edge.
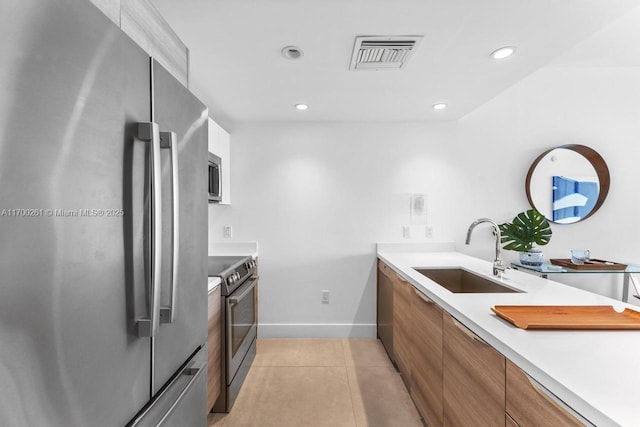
(301, 107)
(292, 52)
(503, 52)
(440, 106)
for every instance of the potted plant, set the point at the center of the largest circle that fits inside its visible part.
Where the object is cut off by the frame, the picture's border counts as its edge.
(527, 230)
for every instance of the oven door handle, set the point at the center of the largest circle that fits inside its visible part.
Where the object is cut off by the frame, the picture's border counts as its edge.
(236, 298)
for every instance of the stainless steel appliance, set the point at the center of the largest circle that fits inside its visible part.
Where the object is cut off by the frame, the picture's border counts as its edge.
(239, 320)
(215, 178)
(103, 253)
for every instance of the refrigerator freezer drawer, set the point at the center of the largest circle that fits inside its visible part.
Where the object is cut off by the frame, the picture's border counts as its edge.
(183, 402)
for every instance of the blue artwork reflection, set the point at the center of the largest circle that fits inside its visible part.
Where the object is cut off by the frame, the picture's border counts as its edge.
(573, 198)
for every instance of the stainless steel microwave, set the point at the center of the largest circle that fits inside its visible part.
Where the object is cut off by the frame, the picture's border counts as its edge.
(215, 179)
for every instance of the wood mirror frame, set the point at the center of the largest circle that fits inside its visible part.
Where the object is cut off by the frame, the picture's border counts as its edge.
(595, 159)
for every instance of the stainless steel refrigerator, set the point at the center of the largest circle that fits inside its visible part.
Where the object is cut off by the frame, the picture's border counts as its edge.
(103, 225)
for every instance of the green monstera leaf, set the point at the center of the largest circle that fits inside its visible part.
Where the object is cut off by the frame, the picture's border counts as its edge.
(526, 229)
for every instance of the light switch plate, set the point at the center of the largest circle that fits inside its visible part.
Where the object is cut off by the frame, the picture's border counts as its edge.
(429, 232)
(325, 297)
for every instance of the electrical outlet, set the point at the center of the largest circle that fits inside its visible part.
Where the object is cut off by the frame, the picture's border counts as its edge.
(406, 231)
(227, 232)
(429, 232)
(325, 297)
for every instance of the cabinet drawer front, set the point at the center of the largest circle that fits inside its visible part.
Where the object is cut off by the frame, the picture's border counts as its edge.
(402, 327)
(384, 311)
(426, 359)
(474, 379)
(401, 350)
(509, 422)
(386, 270)
(530, 406)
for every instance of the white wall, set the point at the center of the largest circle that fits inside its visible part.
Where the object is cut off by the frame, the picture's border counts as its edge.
(317, 197)
(594, 106)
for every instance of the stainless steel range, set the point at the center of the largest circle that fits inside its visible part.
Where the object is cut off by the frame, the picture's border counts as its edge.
(239, 323)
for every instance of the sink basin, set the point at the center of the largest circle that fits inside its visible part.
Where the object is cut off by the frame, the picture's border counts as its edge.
(461, 281)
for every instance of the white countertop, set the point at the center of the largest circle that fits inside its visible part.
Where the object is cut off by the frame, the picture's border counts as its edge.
(594, 372)
(214, 282)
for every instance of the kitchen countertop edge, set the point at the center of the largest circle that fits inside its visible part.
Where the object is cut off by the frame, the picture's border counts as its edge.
(213, 283)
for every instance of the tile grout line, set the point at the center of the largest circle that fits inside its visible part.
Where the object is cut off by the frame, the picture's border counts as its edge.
(315, 357)
(351, 392)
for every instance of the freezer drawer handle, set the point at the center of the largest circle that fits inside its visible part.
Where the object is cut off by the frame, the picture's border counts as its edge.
(193, 372)
(148, 327)
(169, 141)
(157, 413)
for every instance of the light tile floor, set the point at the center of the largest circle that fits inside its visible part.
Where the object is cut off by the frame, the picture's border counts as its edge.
(321, 383)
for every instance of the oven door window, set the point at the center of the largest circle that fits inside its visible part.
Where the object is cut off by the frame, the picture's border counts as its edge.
(243, 317)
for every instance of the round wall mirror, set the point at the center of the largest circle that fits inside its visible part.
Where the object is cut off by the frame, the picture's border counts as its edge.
(567, 184)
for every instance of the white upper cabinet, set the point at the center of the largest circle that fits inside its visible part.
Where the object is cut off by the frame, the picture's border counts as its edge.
(220, 145)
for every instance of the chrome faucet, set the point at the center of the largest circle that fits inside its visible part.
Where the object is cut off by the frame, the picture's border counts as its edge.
(497, 263)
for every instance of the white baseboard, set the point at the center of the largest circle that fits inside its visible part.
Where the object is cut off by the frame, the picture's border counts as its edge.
(316, 330)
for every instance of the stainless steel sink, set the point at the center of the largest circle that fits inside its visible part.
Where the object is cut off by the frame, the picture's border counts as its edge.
(460, 281)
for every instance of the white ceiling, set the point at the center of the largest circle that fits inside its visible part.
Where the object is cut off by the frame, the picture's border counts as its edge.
(237, 69)
(616, 45)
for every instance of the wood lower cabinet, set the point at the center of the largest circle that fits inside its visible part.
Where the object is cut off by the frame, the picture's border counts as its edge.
(426, 358)
(508, 421)
(530, 406)
(385, 307)
(402, 327)
(214, 343)
(454, 377)
(474, 379)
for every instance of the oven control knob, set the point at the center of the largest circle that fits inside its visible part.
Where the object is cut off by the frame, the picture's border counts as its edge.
(231, 279)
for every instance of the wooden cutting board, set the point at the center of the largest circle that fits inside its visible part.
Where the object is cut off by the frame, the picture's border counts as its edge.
(592, 264)
(598, 317)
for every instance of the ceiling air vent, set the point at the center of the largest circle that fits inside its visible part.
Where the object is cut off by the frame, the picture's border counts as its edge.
(382, 52)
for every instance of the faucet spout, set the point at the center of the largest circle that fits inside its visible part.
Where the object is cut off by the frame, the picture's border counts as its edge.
(497, 263)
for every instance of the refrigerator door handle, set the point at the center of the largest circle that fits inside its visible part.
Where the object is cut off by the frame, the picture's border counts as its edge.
(150, 132)
(169, 141)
